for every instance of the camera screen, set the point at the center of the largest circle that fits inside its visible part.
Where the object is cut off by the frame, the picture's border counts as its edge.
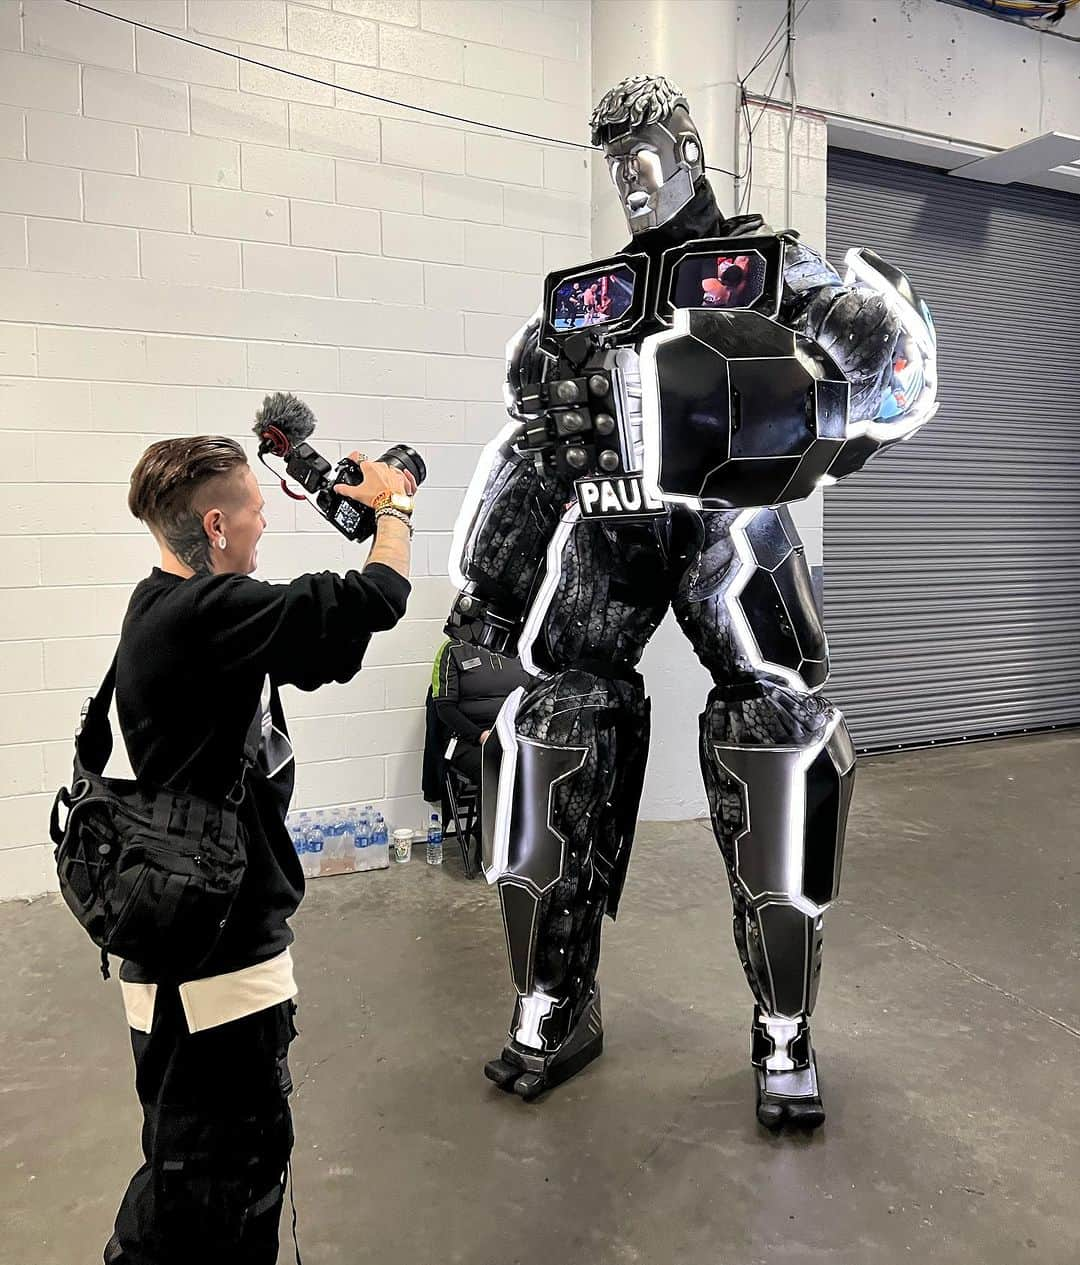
(346, 515)
(592, 298)
(727, 281)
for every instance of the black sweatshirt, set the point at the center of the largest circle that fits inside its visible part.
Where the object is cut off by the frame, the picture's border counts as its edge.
(194, 656)
(469, 685)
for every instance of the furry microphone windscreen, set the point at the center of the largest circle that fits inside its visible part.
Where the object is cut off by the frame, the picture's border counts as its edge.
(285, 413)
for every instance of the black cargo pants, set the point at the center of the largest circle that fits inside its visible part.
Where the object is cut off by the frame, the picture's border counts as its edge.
(217, 1135)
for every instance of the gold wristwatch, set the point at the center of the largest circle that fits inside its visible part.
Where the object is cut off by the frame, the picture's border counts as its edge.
(394, 500)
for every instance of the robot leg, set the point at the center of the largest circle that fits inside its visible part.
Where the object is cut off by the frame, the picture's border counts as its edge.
(563, 769)
(779, 768)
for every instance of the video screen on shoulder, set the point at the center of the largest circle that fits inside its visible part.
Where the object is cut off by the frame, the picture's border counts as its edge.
(591, 299)
(727, 281)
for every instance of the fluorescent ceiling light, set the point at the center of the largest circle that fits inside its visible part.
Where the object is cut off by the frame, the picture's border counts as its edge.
(1022, 163)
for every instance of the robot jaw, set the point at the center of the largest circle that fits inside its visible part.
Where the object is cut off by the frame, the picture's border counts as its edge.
(655, 167)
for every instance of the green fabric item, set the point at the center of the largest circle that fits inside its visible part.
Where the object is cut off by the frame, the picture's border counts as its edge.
(438, 669)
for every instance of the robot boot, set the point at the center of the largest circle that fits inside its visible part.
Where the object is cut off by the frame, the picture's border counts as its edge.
(789, 1097)
(525, 1071)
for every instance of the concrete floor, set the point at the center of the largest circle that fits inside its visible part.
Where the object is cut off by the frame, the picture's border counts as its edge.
(948, 1033)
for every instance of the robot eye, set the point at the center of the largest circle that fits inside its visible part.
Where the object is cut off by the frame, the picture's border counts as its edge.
(691, 151)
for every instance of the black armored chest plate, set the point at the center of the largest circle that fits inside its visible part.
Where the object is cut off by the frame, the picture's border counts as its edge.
(737, 410)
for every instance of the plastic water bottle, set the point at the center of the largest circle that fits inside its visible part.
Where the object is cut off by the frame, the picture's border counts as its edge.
(316, 846)
(434, 841)
(328, 825)
(299, 843)
(380, 834)
(346, 836)
(345, 829)
(303, 843)
(328, 822)
(362, 837)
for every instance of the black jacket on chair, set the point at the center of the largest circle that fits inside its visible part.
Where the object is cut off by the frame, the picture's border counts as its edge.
(469, 685)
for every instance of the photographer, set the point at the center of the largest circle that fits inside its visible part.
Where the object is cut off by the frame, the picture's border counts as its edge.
(203, 650)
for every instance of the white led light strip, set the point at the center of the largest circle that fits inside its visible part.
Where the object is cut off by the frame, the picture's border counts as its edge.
(506, 728)
(471, 505)
(744, 634)
(534, 621)
(914, 325)
(650, 411)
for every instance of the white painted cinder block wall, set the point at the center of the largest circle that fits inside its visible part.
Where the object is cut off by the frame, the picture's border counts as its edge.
(180, 234)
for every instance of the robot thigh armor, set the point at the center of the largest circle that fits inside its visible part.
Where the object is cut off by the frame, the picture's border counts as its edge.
(747, 604)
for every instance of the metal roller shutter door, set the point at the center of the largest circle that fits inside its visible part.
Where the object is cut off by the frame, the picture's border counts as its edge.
(952, 562)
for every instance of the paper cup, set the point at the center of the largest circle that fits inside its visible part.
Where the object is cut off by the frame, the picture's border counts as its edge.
(402, 845)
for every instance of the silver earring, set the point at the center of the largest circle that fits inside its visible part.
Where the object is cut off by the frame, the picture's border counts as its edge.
(221, 542)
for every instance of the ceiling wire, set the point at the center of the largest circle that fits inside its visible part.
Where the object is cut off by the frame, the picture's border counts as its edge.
(779, 36)
(793, 93)
(370, 96)
(757, 122)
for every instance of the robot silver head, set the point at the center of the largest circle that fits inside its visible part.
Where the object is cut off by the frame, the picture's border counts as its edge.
(652, 148)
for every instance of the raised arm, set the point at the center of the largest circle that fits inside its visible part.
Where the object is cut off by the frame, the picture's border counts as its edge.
(879, 331)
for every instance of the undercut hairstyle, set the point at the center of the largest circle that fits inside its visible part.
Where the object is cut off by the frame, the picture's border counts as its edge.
(165, 491)
(636, 102)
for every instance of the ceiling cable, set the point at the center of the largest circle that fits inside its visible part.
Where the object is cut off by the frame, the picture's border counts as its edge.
(358, 92)
(779, 36)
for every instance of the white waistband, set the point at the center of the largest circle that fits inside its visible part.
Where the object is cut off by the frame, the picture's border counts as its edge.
(218, 999)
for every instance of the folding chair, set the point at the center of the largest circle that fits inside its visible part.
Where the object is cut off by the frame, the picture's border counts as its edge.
(461, 803)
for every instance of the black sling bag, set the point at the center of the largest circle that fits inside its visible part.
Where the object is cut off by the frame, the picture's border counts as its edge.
(151, 874)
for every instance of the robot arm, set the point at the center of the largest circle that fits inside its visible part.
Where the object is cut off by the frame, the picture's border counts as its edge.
(852, 323)
(523, 364)
(880, 333)
(509, 514)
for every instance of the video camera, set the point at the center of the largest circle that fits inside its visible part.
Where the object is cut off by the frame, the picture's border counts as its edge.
(283, 426)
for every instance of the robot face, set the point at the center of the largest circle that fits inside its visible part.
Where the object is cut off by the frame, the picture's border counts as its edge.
(654, 167)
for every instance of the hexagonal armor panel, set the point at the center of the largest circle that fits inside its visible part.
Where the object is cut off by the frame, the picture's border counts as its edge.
(830, 780)
(750, 412)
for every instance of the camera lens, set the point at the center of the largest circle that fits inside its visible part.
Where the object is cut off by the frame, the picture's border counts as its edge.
(402, 457)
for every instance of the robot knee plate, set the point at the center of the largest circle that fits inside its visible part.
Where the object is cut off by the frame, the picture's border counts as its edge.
(521, 837)
(547, 782)
(549, 769)
(779, 771)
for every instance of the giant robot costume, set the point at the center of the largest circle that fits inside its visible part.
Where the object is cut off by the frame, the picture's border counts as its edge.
(666, 405)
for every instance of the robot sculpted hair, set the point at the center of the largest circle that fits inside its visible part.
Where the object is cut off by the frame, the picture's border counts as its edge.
(635, 102)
